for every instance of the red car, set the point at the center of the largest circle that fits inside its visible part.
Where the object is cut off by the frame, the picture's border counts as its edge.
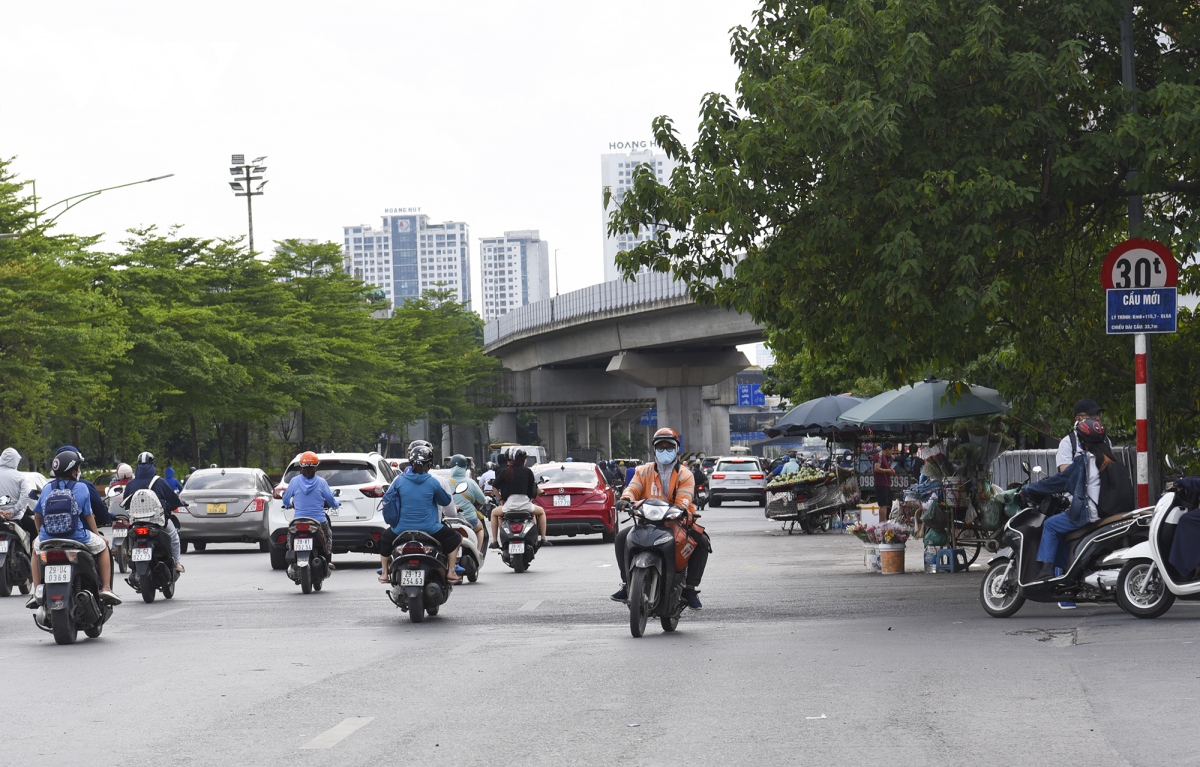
(577, 500)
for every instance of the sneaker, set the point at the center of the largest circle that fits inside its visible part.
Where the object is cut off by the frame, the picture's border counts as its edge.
(495, 545)
(459, 569)
(692, 597)
(110, 598)
(544, 542)
(1066, 605)
(1045, 573)
(622, 594)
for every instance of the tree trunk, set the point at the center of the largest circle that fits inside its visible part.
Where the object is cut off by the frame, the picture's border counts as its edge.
(195, 441)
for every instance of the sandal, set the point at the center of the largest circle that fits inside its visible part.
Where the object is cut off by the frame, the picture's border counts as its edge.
(384, 579)
(453, 579)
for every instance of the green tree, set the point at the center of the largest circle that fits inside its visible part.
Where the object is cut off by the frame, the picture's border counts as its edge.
(930, 186)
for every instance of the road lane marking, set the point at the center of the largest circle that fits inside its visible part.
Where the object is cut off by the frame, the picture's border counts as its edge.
(338, 732)
(466, 647)
(156, 616)
(529, 606)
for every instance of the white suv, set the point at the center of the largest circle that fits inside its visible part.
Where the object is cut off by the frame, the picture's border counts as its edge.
(358, 481)
(737, 478)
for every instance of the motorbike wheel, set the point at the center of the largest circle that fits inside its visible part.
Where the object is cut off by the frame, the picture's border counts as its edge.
(1141, 591)
(416, 609)
(306, 579)
(670, 623)
(519, 564)
(264, 546)
(5, 584)
(278, 559)
(637, 602)
(122, 557)
(169, 590)
(93, 632)
(26, 586)
(472, 570)
(433, 609)
(64, 628)
(1000, 605)
(147, 588)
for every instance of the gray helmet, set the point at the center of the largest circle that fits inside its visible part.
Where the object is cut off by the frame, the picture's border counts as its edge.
(144, 458)
(459, 460)
(419, 443)
(420, 456)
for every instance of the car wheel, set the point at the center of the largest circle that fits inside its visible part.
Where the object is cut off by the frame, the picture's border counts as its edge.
(608, 537)
(183, 547)
(200, 545)
(714, 502)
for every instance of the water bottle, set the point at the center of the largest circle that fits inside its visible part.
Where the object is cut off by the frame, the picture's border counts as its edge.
(931, 558)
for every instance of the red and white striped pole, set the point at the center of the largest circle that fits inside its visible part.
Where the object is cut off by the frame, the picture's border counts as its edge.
(1140, 413)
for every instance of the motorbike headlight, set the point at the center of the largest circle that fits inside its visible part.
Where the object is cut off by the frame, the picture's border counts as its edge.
(660, 540)
(654, 513)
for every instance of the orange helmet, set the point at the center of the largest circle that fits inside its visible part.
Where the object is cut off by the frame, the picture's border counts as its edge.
(309, 458)
(666, 435)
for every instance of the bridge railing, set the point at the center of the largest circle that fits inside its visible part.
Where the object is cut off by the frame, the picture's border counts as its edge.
(619, 296)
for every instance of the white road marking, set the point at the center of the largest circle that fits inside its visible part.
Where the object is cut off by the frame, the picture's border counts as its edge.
(338, 732)
(156, 616)
(466, 647)
(529, 606)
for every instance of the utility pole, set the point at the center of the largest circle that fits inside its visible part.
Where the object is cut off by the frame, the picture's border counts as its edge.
(1147, 479)
(556, 270)
(244, 188)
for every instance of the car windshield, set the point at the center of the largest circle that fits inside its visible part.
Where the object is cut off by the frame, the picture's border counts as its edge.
(566, 475)
(737, 466)
(240, 480)
(338, 473)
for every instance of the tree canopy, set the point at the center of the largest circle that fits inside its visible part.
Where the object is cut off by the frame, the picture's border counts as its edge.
(930, 186)
(199, 351)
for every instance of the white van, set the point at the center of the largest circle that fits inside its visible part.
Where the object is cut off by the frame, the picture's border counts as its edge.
(534, 454)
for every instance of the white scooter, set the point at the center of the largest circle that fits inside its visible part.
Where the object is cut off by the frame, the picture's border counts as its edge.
(1148, 585)
(473, 551)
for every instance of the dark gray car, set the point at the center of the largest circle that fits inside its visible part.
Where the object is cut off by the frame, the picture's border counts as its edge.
(225, 506)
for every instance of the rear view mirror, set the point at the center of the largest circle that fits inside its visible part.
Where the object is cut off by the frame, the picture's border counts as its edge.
(1025, 466)
(461, 487)
(1167, 460)
(1038, 469)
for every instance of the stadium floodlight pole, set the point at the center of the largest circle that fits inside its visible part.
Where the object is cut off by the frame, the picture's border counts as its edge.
(244, 188)
(75, 199)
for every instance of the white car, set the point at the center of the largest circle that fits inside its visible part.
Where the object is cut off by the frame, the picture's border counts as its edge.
(737, 478)
(358, 481)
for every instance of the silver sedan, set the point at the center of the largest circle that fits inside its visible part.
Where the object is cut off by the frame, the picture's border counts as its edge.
(225, 506)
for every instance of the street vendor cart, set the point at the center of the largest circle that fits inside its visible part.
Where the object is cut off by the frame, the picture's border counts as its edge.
(811, 498)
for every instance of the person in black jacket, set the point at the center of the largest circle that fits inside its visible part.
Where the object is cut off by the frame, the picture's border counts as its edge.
(516, 485)
(99, 507)
(145, 476)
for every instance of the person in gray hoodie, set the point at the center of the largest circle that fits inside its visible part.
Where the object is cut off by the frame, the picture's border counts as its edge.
(15, 486)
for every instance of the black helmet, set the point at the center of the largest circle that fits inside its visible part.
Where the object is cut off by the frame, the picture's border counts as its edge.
(459, 460)
(418, 443)
(65, 463)
(144, 458)
(1091, 431)
(420, 456)
(519, 457)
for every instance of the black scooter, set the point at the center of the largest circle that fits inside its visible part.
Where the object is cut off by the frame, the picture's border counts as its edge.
(70, 592)
(418, 572)
(15, 553)
(518, 539)
(1011, 578)
(651, 560)
(151, 563)
(307, 563)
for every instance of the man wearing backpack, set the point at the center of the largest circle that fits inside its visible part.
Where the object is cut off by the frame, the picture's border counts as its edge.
(145, 477)
(64, 511)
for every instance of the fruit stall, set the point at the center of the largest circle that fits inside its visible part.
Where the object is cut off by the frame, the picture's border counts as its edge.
(811, 497)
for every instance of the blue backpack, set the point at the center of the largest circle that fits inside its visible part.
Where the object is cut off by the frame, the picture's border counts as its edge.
(60, 512)
(391, 511)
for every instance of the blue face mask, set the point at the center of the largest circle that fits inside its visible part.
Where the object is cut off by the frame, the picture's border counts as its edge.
(665, 456)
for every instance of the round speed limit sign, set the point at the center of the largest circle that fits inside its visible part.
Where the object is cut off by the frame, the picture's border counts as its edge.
(1139, 264)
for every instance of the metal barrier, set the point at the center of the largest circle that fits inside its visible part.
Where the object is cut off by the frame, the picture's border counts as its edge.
(648, 290)
(1007, 466)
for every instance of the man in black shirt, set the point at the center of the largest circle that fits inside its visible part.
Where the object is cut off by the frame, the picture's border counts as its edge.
(517, 490)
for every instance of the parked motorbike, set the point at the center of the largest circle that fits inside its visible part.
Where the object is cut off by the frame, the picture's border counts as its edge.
(518, 538)
(1090, 575)
(153, 566)
(1148, 584)
(307, 564)
(656, 565)
(69, 594)
(15, 551)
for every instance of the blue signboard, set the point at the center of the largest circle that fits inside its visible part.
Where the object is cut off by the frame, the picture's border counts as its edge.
(1141, 310)
(650, 417)
(750, 394)
(747, 436)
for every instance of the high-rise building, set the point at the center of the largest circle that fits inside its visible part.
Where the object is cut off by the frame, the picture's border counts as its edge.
(616, 173)
(408, 255)
(515, 270)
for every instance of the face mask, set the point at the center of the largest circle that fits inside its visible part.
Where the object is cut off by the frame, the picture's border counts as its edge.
(665, 456)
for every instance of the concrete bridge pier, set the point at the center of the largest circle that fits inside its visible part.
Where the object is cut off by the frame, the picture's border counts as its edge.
(686, 385)
(503, 428)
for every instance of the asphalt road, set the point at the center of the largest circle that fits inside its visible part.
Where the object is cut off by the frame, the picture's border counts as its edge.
(798, 657)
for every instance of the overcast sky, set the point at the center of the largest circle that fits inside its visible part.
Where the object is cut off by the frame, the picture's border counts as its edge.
(494, 113)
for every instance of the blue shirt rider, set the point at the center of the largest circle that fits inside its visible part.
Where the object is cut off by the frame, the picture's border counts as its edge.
(309, 494)
(411, 504)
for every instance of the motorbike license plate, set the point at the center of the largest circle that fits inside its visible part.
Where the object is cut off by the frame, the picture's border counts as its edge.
(516, 548)
(58, 574)
(118, 534)
(412, 577)
(217, 508)
(562, 500)
(3, 547)
(143, 554)
(302, 544)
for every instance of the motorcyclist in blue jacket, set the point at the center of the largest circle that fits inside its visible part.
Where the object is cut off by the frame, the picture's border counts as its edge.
(413, 503)
(309, 494)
